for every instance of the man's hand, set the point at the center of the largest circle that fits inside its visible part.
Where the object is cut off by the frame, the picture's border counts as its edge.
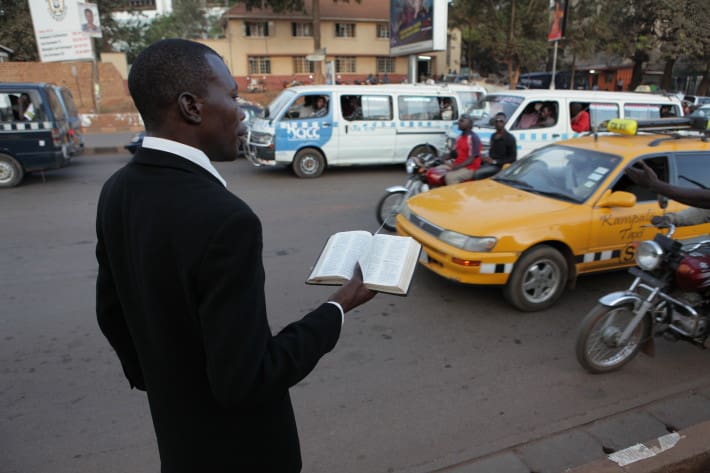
(642, 175)
(353, 293)
(487, 159)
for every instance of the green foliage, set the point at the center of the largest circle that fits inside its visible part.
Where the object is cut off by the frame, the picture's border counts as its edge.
(16, 30)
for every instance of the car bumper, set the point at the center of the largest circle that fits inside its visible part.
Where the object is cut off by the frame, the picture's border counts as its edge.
(489, 268)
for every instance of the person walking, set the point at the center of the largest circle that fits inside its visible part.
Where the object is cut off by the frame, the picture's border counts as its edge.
(180, 286)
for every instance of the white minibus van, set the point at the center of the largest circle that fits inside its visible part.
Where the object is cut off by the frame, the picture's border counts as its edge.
(523, 108)
(359, 124)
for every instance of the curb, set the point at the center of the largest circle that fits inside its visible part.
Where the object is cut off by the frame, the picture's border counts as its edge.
(685, 451)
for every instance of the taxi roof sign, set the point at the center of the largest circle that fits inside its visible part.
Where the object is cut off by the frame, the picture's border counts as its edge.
(627, 126)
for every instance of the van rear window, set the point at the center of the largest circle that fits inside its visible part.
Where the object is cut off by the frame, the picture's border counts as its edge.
(55, 105)
(21, 106)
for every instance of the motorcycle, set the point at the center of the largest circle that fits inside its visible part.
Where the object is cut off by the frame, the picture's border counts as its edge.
(422, 175)
(669, 297)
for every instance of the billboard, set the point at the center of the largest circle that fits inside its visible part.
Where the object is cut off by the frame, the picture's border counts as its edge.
(417, 26)
(57, 25)
(558, 20)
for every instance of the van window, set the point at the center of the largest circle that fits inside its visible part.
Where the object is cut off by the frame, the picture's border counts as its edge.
(55, 105)
(494, 104)
(307, 106)
(68, 100)
(469, 99)
(419, 108)
(538, 114)
(21, 106)
(639, 111)
(366, 107)
(601, 112)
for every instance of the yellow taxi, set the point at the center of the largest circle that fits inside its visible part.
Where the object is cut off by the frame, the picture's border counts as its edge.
(563, 210)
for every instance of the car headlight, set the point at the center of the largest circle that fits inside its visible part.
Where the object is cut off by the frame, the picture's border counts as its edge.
(466, 242)
(261, 138)
(648, 255)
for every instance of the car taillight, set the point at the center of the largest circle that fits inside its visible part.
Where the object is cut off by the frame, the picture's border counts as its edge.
(56, 137)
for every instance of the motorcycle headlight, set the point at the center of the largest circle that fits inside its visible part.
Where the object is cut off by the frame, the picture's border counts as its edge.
(648, 255)
(410, 165)
(466, 242)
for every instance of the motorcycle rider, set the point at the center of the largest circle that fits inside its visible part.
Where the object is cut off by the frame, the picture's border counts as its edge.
(504, 149)
(466, 156)
(698, 199)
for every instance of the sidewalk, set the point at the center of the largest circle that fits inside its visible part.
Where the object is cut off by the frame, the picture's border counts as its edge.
(667, 436)
(98, 143)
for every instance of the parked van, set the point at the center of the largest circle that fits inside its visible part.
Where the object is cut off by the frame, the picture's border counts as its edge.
(76, 131)
(358, 124)
(34, 133)
(540, 117)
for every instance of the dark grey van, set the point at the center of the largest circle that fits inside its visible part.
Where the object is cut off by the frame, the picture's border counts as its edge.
(34, 132)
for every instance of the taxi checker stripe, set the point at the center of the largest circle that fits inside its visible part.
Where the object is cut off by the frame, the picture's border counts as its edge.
(599, 256)
(29, 126)
(493, 268)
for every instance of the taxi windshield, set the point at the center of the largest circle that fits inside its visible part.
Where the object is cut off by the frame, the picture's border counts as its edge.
(560, 172)
(492, 105)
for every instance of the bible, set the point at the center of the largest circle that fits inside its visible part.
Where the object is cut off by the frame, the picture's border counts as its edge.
(387, 261)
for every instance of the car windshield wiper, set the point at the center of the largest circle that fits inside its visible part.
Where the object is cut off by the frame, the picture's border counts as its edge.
(558, 195)
(514, 182)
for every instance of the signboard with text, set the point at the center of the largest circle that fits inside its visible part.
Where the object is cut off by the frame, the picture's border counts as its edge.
(58, 31)
(417, 26)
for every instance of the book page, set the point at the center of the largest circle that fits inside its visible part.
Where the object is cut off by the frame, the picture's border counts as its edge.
(390, 262)
(340, 254)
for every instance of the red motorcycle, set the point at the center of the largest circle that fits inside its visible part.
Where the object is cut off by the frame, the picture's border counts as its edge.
(669, 297)
(423, 174)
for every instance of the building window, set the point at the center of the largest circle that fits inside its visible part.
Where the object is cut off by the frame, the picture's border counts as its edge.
(345, 30)
(383, 30)
(301, 65)
(258, 29)
(385, 64)
(345, 64)
(301, 29)
(259, 65)
(140, 4)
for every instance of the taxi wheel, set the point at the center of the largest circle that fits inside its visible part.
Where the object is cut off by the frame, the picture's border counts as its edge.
(308, 163)
(538, 279)
(11, 172)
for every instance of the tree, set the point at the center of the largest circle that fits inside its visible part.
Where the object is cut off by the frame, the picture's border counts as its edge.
(16, 31)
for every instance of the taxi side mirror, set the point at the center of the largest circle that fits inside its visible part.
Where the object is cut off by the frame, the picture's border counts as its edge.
(617, 199)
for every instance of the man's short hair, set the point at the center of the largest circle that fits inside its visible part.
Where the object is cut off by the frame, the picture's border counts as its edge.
(163, 71)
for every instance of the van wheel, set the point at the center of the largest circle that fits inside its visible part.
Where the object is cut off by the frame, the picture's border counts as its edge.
(11, 172)
(421, 149)
(308, 163)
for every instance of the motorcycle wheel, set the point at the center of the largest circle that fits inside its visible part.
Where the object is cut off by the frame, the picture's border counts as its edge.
(388, 207)
(596, 349)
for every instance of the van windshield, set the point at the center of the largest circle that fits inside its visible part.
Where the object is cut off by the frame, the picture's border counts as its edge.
(492, 105)
(277, 105)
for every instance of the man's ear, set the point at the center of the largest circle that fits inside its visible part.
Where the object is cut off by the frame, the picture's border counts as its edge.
(190, 108)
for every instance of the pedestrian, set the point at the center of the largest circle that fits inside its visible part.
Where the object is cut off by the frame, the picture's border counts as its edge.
(503, 150)
(180, 286)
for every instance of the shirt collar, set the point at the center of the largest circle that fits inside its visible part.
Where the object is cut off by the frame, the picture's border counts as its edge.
(190, 153)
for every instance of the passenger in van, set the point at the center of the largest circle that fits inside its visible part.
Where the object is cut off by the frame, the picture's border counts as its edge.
(666, 111)
(27, 109)
(580, 118)
(447, 110)
(353, 109)
(547, 116)
(15, 104)
(320, 108)
(530, 117)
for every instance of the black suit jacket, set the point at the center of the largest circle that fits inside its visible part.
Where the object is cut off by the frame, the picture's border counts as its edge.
(180, 297)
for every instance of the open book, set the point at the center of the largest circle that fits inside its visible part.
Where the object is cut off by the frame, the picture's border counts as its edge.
(387, 261)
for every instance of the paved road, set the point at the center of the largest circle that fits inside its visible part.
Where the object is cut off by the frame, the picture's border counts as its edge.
(448, 374)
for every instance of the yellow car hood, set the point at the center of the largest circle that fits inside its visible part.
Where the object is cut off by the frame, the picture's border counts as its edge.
(484, 208)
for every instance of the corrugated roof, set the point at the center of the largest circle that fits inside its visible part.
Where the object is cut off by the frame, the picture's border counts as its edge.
(378, 10)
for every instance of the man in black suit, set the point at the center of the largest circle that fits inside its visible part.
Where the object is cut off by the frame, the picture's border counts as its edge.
(180, 289)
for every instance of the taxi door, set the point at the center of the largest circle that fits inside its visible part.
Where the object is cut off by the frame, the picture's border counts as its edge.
(617, 230)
